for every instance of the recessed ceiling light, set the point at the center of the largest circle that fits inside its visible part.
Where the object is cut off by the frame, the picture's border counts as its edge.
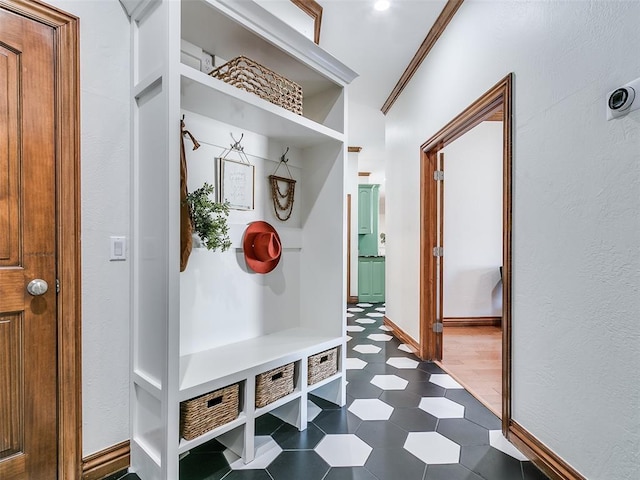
(381, 5)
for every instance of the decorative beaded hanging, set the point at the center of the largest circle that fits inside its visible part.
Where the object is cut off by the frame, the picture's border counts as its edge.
(282, 200)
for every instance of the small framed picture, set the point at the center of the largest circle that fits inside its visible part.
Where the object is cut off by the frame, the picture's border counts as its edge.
(235, 182)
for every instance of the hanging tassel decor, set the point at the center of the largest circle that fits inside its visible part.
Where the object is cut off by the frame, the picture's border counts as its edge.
(282, 198)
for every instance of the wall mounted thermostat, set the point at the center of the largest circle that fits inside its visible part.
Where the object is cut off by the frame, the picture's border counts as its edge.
(623, 100)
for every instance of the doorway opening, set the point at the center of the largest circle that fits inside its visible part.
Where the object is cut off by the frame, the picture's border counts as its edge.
(495, 104)
(471, 226)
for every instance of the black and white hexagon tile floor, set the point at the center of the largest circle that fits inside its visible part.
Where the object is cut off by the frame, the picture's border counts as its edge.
(404, 419)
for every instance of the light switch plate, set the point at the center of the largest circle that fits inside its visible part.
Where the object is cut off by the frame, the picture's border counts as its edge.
(118, 249)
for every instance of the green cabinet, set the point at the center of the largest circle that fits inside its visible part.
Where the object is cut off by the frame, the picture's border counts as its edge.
(371, 279)
(367, 208)
(368, 219)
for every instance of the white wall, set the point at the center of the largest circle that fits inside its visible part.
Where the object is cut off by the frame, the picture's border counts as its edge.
(351, 186)
(105, 120)
(576, 258)
(473, 223)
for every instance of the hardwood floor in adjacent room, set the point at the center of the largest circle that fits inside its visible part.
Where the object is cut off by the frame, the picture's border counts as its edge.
(473, 356)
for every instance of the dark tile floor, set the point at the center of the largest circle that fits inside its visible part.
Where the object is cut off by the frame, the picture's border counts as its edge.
(404, 419)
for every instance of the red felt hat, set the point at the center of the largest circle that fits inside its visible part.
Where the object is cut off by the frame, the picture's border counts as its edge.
(262, 248)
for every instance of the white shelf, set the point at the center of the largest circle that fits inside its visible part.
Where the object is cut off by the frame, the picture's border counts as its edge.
(278, 403)
(150, 385)
(228, 28)
(322, 383)
(204, 371)
(151, 453)
(186, 445)
(213, 98)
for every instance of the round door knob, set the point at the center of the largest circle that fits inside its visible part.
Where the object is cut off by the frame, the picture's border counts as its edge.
(37, 287)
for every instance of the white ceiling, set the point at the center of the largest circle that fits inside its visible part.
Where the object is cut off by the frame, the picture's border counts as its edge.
(379, 46)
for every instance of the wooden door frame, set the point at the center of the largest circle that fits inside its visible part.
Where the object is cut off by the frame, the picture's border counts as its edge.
(499, 96)
(65, 29)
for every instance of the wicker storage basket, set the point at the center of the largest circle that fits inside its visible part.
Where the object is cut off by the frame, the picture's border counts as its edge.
(244, 73)
(206, 412)
(322, 365)
(274, 384)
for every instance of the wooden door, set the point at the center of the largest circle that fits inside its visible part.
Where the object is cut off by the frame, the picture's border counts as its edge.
(28, 322)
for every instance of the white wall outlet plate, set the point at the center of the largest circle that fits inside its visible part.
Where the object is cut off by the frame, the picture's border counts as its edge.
(206, 62)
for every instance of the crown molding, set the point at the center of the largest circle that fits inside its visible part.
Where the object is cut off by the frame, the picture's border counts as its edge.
(314, 10)
(432, 37)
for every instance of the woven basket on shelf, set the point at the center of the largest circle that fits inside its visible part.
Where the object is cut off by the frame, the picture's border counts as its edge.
(244, 73)
(206, 412)
(322, 365)
(274, 384)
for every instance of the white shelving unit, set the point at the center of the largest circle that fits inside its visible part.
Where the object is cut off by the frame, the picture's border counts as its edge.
(217, 323)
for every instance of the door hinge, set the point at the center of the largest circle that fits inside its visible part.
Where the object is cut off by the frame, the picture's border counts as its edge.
(437, 327)
(438, 251)
(57, 286)
(438, 175)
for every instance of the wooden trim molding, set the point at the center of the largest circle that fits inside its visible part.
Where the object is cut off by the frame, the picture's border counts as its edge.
(354, 149)
(428, 263)
(352, 299)
(496, 117)
(541, 455)
(364, 174)
(430, 40)
(496, 98)
(401, 335)
(106, 462)
(69, 253)
(314, 10)
(476, 113)
(472, 321)
(67, 140)
(39, 11)
(506, 87)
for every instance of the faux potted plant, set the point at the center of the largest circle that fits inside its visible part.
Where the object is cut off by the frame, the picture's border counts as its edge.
(209, 218)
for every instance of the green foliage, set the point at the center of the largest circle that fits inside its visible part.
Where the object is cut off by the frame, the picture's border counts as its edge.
(209, 218)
